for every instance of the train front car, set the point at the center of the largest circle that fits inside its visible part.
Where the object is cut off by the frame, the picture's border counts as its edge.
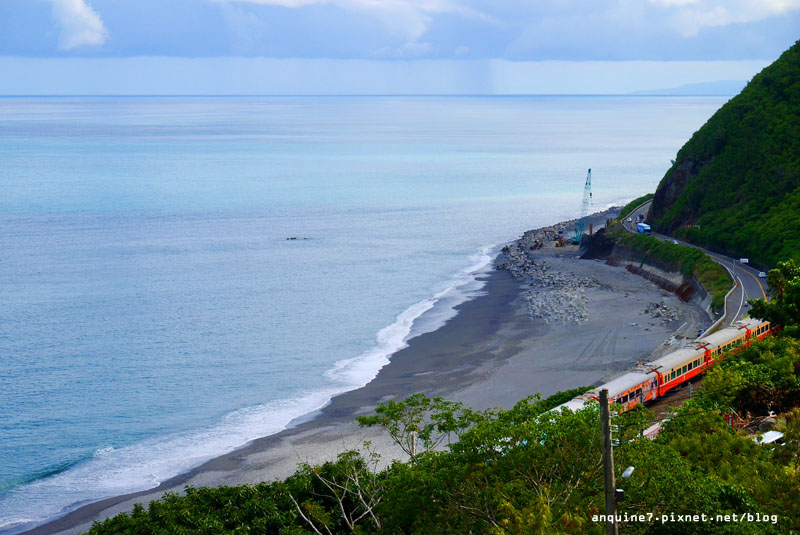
(680, 366)
(742, 332)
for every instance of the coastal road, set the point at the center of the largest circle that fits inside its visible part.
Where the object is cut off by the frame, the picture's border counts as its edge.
(748, 284)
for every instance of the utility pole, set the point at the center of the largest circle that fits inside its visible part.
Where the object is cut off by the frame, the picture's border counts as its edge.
(608, 467)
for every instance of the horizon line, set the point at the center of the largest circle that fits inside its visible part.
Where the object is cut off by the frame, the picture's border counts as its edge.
(361, 95)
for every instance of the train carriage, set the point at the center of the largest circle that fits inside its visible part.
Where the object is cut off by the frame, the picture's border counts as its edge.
(654, 379)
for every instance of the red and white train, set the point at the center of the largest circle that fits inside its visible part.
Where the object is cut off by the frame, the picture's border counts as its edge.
(653, 380)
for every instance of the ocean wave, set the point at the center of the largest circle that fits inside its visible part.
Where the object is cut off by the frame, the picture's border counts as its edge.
(114, 471)
(424, 316)
(117, 471)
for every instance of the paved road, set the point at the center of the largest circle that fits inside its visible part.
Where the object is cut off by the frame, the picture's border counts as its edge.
(748, 284)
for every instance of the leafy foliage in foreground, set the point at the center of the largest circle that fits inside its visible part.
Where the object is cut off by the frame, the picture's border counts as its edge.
(736, 182)
(758, 379)
(513, 472)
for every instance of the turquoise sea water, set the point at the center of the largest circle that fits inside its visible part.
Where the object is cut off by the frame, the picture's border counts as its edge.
(153, 313)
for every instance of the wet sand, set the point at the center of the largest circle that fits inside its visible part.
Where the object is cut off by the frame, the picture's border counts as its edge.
(492, 354)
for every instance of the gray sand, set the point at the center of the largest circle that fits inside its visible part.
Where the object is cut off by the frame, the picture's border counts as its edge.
(496, 351)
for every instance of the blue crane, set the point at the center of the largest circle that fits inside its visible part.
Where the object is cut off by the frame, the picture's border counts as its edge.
(580, 226)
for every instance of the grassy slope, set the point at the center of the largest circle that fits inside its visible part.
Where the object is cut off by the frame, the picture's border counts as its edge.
(689, 261)
(628, 208)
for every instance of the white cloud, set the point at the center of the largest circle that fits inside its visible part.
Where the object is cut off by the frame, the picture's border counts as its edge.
(409, 19)
(689, 17)
(669, 3)
(80, 24)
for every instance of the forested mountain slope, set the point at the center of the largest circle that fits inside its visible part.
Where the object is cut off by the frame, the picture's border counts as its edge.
(735, 185)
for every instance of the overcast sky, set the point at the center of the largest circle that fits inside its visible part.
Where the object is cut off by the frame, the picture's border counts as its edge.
(385, 46)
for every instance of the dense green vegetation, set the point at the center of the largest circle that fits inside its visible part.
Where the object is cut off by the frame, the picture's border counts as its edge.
(783, 307)
(736, 182)
(689, 261)
(628, 208)
(517, 472)
(761, 378)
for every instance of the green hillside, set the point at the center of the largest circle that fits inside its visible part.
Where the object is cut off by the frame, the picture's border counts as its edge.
(736, 182)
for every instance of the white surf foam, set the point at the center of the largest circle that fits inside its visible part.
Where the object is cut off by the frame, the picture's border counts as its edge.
(421, 317)
(114, 471)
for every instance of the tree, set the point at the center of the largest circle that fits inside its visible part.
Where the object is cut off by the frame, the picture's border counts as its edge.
(420, 421)
(346, 491)
(784, 307)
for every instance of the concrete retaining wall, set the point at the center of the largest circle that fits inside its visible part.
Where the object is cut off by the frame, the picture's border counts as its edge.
(664, 275)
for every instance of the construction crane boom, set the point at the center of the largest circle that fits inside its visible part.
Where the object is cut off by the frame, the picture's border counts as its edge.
(580, 226)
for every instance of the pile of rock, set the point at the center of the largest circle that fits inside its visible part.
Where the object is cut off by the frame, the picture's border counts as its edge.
(550, 295)
(517, 261)
(563, 305)
(663, 312)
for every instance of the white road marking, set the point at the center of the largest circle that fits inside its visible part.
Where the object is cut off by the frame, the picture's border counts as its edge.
(741, 303)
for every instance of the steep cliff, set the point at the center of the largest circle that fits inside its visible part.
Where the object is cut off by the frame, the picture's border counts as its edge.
(735, 185)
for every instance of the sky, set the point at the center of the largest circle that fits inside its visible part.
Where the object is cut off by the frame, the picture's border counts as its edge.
(386, 46)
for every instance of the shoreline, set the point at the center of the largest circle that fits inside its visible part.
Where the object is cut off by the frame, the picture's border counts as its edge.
(408, 371)
(493, 353)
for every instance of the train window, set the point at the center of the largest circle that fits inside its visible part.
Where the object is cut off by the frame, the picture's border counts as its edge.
(690, 365)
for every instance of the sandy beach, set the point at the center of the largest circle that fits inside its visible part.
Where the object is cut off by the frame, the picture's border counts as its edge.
(555, 323)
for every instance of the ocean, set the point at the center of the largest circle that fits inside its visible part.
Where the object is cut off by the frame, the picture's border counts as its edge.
(181, 275)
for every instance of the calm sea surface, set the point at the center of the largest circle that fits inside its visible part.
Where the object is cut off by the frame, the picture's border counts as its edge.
(153, 313)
